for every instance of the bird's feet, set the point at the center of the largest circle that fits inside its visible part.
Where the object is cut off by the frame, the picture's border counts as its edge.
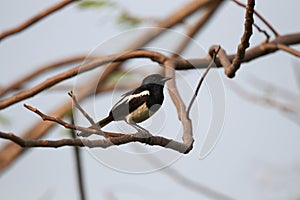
(143, 134)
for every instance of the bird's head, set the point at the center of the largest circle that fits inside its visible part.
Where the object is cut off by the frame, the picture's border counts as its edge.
(156, 79)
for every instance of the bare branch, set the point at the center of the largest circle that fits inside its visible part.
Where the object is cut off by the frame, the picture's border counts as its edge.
(250, 55)
(260, 17)
(231, 70)
(157, 57)
(215, 53)
(288, 49)
(262, 31)
(11, 151)
(35, 19)
(57, 64)
(92, 122)
(181, 64)
(78, 161)
(61, 122)
(187, 135)
(85, 114)
(102, 143)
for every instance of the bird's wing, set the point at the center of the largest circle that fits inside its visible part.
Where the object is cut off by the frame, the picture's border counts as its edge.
(130, 102)
(128, 93)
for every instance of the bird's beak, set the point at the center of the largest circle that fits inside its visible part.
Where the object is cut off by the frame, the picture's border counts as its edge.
(166, 79)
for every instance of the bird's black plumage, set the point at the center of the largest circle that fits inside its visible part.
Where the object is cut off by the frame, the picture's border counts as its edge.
(137, 105)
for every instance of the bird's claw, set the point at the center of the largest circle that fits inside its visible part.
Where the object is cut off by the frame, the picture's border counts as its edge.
(143, 134)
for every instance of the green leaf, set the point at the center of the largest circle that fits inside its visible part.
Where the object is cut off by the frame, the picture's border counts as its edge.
(95, 4)
(126, 18)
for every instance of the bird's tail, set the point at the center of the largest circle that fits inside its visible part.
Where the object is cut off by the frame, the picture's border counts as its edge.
(103, 122)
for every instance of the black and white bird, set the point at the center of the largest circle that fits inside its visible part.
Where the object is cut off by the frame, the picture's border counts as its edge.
(138, 104)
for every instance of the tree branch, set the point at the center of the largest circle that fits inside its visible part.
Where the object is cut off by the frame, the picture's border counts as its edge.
(262, 31)
(250, 55)
(288, 49)
(11, 151)
(78, 161)
(85, 114)
(187, 135)
(181, 64)
(215, 53)
(157, 57)
(118, 138)
(35, 19)
(102, 143)
(260, 17)
(231, 70)
(63, 123)
(92, 122)
(57, 64)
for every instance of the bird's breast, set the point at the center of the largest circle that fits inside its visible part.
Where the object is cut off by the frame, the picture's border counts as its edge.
(141, 113)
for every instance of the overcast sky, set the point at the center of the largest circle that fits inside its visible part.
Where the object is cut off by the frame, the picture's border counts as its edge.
(257, 153)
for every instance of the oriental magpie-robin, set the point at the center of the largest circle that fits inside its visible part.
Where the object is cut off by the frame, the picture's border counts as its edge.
(137, 105)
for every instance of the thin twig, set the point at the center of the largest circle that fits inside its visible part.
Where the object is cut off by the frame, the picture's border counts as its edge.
(260, 17)
(88, 117)
(202, 79)
(62, 122)
(85, 114)
(231, 70)
(10, 152)
(288, 49)
(78, 164)
(262, 31)
(35, 19)
(155, 56)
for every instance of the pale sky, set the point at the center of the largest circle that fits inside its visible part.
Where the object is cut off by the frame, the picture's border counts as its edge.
(256, 157)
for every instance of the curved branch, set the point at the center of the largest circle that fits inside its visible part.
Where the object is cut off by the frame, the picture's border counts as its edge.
(157, 57)
(102, 143)
(63, 123)
(35, 19)
(215, 53)
(250, 55)
(181, 64)
(60, 63)
(11, 151)
(187, 135)
(288, 49)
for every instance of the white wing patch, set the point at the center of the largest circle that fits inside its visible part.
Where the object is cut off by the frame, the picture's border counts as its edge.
(129, 97)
